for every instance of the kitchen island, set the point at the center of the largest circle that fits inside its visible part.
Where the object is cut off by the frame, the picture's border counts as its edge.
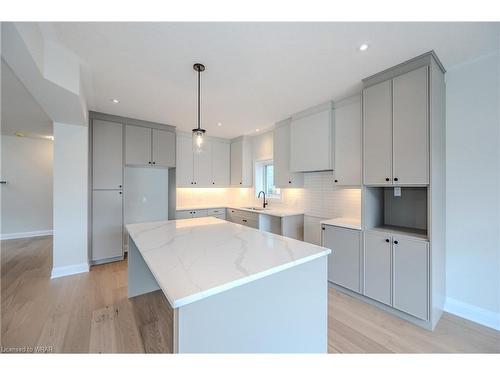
(232, 289)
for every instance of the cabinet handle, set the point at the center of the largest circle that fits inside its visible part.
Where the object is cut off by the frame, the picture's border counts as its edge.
(120, 186)
(387, 240)
(195, 182)
(395, 179)
(213, 183)
(154, 162)
(322, 228)
(395, 242)
(387, 178)
(191, 182)
(289, 182)
(240, 183)
(244, 220)
(149, 162)
(119, 192)
(336, 180)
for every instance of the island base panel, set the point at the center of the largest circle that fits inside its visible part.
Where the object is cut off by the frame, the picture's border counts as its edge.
(140, 278)
(285, 312)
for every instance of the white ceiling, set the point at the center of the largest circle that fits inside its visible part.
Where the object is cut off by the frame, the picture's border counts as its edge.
(19, 111)
(257, 73)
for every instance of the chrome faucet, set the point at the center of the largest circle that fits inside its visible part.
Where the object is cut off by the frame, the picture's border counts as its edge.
(264, 203)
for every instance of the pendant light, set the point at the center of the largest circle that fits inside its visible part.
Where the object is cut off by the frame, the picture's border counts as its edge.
(198, 133)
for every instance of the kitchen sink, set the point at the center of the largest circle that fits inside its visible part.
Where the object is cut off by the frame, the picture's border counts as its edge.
(255, 208)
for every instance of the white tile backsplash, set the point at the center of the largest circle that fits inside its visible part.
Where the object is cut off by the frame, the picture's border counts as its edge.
(322, 199)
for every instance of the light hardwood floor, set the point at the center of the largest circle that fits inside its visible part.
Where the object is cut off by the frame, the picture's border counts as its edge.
(90, 312)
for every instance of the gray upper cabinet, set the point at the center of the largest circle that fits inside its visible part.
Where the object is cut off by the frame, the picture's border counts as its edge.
(377, 134)
(137, 145)
(344, 263)
(283, 177)
(396, 130)
(220, 164)
(347, 150)
(311, 140)
(163, 144)
(411, 278)
(107, 155)
(241, 162)
(202, 166)
(149, 147)
(377, 266)
(184, 170)
(411, 134)
(107, 225)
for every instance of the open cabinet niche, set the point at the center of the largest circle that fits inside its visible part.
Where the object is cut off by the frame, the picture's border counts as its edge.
(404, 214)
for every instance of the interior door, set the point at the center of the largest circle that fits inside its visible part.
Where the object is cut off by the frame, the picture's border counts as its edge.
(411, 128)
(377, 266)
(202, 166)
(137, 145)
(411, 278)
(344, 261)
(377, 134)
(220, 164)
(107, 224)
(184, 162)
(107, 155)
(163, 148)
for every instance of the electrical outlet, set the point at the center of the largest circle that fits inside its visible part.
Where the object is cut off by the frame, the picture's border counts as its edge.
(397, 191)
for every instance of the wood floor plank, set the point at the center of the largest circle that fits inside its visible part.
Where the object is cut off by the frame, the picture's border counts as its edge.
(90, 312)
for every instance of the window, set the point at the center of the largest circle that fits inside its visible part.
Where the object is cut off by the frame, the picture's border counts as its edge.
(264, 179)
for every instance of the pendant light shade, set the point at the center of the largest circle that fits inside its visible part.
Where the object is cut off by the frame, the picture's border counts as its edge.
(198, 133)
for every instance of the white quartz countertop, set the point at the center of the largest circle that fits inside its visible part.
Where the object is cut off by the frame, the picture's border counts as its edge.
(192, 259)
(271, 211)
(344, 222)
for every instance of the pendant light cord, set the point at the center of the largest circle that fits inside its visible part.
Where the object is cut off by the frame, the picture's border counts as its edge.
(199, 122)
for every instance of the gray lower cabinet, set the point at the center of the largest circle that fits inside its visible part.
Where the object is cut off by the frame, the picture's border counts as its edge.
(189, 214)
(107, 155)
(411, 279)
(249, 219)
(344, 263)
(107, 225)
(377, 266)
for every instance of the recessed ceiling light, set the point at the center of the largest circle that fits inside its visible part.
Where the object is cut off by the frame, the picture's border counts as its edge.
(116, 101)
(219, 124)
(363, 47)
(257, 130)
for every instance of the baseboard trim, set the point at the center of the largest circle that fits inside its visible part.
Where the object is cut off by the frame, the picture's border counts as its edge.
(476, 314)
(36, 233)
(69, 270)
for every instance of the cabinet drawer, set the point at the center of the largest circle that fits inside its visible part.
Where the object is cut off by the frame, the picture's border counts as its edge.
(252, 223)
(199, 213)
(216, 211)
(183, 214)
(222, 216)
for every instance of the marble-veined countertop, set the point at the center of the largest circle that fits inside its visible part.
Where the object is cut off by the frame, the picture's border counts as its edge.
(192, 259)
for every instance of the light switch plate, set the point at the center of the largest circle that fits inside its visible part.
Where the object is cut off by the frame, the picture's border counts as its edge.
(397, 191)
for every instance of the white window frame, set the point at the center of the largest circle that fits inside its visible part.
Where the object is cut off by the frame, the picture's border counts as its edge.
(260, 168)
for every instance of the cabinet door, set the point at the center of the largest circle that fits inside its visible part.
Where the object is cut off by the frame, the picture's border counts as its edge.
(184, 162)
(183, 215)
(411, 135)
(107, 155)
(107, 224)
(347, 170)
(202, 166)
(137, 145)
(163, 148)
(311, 142)
(344, 261)
(220, 164)
(283, 178)
(377, 134)
(236, 163)
(411, 263)
(377, 267)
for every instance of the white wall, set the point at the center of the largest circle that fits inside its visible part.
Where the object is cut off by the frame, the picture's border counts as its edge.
(70, 252)
(473, 190)
(27, 198)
